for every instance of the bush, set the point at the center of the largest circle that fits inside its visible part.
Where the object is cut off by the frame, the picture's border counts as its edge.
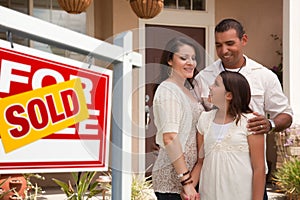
(287, 177)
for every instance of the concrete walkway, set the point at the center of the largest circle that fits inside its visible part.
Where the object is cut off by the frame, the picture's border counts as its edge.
(274, 194)
(57, 194)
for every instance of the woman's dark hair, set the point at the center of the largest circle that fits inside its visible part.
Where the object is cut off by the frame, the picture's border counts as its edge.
(227, 24)
(239, 87)
(173, 47)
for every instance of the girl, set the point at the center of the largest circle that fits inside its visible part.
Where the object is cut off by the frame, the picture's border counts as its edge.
(233, 162)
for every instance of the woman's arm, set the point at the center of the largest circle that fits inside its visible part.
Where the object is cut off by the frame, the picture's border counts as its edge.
(257, 155)
(175, 153)
(196, 171)
(197, 168)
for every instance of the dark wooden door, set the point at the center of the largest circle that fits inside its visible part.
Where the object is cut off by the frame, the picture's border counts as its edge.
(157, 37)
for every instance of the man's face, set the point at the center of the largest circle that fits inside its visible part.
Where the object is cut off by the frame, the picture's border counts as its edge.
(229, 48)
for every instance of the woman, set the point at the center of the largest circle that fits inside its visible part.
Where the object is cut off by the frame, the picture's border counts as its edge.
(176, 111)
(233, 162)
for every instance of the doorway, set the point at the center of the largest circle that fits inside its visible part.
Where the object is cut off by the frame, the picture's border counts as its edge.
(156, 37)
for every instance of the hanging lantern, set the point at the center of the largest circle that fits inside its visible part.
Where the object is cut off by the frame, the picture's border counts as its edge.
(146, 9)
(74, 6)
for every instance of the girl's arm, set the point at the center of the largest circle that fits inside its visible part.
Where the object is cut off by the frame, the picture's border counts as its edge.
(257, 155)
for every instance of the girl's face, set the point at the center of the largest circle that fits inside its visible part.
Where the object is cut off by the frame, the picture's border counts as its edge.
(184, 61)
(218, 94)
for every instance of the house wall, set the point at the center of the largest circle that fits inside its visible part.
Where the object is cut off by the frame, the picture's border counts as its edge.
(260, 19)
(103, 19)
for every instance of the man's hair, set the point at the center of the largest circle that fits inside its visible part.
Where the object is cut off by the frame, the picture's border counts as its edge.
(227, 24)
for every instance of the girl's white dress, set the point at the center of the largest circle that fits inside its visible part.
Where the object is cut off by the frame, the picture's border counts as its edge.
(226, 173)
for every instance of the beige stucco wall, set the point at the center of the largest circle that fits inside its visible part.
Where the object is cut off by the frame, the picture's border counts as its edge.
(260, 19)
(113, 17)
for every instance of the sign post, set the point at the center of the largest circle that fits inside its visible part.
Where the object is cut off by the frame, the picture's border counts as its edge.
(122, 122)
(121, 55)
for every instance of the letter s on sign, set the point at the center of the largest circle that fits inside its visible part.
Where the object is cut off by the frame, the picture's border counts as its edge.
(18, 120)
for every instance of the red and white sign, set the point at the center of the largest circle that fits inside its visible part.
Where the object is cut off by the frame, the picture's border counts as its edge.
(55, 112)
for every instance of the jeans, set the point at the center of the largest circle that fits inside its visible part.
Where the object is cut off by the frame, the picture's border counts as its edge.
(167, 196)
(265, 194)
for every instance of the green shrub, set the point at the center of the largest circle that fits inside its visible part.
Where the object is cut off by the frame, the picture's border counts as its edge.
(287, 176)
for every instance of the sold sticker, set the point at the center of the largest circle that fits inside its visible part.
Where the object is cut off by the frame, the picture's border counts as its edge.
(32, 115)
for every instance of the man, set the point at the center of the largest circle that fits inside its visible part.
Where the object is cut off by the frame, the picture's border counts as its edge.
(267, 98)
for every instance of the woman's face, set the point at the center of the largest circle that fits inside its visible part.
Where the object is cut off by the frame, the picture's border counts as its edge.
(184, 61)
(217, 92)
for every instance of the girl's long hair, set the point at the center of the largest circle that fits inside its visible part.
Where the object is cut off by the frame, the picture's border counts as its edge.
(238, 85)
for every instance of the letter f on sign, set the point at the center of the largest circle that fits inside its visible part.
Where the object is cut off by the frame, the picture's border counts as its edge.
(6, 75)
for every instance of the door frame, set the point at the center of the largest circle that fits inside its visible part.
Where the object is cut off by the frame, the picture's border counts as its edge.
(169, 17)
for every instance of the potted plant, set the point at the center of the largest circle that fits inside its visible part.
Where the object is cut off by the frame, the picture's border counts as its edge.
(14, 186)
(3, 192)
(19, 187)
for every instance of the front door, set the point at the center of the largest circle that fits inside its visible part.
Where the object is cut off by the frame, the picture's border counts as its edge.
(157, 37)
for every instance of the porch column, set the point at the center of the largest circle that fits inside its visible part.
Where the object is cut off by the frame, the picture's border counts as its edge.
(291, 52)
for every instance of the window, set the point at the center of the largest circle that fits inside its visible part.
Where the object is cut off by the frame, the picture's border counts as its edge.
(47, 10)
(198, 5)
(21, 6)
(18, 5)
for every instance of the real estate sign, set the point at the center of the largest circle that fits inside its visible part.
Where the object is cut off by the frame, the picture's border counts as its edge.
(54, 112)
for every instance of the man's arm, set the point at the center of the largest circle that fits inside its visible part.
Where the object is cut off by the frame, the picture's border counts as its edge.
(261, 125)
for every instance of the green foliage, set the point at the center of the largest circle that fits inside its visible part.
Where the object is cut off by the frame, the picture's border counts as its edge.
(32, 190)
(84, 188)
(140, 187)
(288, 176)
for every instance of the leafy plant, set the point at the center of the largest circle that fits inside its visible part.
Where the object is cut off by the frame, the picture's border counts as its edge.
(277, 69)
(32, 190)
(140, 188)
(84, 188)
(287, 176)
